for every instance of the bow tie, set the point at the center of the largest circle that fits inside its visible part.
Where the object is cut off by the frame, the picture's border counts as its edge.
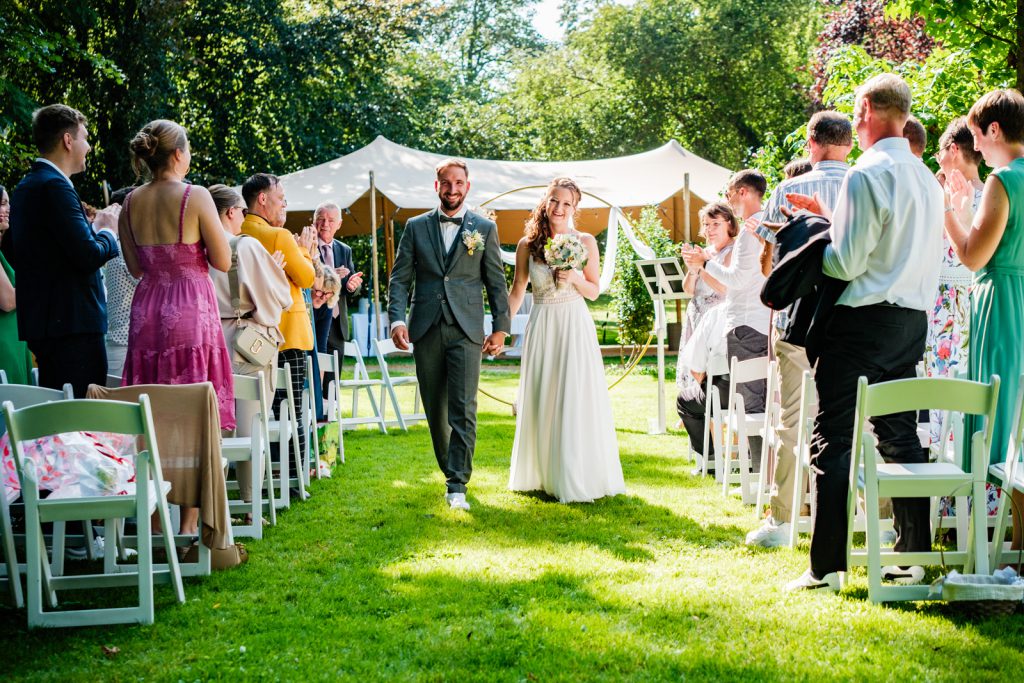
(457, 220)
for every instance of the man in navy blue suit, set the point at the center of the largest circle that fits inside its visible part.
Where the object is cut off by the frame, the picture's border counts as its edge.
(62, 309)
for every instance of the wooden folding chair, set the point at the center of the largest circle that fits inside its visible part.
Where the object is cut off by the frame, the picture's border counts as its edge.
(918, 480)
(148, 496)
(382, 348)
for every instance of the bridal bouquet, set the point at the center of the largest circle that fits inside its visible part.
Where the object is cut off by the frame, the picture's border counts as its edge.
(565, 252)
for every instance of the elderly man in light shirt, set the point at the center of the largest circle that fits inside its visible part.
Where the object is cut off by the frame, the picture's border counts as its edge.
(886, 241)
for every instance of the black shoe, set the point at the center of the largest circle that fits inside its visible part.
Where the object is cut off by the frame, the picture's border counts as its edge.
(295, 493)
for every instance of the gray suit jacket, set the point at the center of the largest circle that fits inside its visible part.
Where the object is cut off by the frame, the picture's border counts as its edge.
(420, 270)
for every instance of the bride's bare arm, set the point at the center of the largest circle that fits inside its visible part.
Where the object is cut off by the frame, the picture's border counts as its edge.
(588, 282)
(522, 276)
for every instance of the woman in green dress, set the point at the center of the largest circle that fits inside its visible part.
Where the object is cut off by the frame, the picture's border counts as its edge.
(991, 243)
(15, 360)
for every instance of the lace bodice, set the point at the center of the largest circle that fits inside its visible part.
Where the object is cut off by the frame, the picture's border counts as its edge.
(545, 289)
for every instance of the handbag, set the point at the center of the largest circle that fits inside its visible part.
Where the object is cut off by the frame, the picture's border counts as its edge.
(254, 346)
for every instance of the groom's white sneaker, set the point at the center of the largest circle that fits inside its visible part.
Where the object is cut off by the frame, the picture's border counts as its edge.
(457, 501)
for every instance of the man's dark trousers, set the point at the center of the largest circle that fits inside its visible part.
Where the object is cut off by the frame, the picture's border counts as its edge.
(883, 343)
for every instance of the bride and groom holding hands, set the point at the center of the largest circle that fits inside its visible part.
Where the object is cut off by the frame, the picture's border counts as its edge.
(565, 440)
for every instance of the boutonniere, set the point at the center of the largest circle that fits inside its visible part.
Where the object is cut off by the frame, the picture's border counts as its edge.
(473, 241)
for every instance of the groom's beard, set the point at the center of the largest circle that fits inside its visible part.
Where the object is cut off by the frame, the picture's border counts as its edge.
(453, 204)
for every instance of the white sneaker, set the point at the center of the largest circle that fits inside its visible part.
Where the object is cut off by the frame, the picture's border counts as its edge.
(457, 501)
(907, 576)
(79, 552)
(827, 584)
(770, 535)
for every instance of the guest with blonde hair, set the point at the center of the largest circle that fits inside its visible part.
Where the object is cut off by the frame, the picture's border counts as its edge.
(171, 235)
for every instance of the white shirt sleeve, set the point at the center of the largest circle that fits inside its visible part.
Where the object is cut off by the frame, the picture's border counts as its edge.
(856, 229)
(744, 267)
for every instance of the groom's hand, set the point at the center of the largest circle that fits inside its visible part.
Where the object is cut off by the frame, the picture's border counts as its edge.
(400, 335)
(493, 344)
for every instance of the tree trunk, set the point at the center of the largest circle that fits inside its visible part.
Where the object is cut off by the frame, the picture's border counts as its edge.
(1019, 50)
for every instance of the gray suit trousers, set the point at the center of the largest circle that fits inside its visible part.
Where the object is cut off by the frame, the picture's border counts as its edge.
(448, 370)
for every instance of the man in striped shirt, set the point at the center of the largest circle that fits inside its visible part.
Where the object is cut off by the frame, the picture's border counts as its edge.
(829, 141)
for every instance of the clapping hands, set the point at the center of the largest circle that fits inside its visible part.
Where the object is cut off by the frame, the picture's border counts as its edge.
(959, 195)
(807, 203)
(694, 257)
(307, 240)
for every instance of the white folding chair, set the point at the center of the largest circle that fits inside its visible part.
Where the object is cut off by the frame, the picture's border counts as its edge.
(769, 439)
(255, 450)
(803, 488)
(1008, 475)
(148, 497)
(735, 462)
(330, 362)
(22, 396)
(284, 431)
(714, 426)
(361, 383)
(918, 480)
(382, 348)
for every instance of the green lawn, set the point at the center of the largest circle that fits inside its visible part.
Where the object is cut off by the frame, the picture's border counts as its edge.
(375, 579)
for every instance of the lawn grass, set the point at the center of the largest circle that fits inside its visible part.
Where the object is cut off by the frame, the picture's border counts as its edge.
(375, 579)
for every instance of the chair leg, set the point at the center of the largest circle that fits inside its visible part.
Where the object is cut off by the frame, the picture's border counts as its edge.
(376, 411)
(59, 540)
(999, 533)
(873, 535)
(977, 557)
(10, 556)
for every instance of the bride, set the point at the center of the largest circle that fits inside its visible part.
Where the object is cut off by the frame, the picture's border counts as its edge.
(565, 438)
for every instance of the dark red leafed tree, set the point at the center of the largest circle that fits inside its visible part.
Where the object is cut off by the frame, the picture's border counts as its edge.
(864, 23)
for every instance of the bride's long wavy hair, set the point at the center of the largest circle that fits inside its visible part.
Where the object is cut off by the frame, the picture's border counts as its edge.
(538, 227)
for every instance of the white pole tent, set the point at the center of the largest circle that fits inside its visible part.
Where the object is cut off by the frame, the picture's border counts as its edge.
(385, 181)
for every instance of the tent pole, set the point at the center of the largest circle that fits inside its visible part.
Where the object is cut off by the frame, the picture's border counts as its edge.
(373, 256)
(686, 206)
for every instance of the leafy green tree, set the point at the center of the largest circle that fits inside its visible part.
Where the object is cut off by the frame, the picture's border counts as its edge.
(632, 303)
(992, 30)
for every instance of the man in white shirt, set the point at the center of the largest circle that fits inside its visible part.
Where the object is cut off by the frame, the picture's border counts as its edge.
(886, 242)
(746, 318)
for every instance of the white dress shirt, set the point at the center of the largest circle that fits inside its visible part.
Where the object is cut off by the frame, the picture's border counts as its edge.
(887, 230)
(743, 280)
(449, 231)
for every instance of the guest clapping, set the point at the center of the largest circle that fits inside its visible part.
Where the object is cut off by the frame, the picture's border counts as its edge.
(170, 234)
(991, 243)
(15, 360)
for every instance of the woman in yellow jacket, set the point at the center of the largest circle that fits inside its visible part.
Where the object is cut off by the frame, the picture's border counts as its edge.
(265, 214)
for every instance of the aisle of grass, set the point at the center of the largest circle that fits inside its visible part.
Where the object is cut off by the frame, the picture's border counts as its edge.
(375, 579)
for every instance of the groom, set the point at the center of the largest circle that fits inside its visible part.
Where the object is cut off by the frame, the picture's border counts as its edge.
(449, 255)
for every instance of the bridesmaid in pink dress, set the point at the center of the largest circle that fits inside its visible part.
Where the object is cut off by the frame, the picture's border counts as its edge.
(170, 235)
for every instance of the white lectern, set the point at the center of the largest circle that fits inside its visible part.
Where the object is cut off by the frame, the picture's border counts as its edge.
(664, 279)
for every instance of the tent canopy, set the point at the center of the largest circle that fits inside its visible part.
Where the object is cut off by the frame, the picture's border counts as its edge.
(404, 179)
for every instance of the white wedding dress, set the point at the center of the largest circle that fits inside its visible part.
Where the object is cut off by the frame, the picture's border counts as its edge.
(565, 438)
